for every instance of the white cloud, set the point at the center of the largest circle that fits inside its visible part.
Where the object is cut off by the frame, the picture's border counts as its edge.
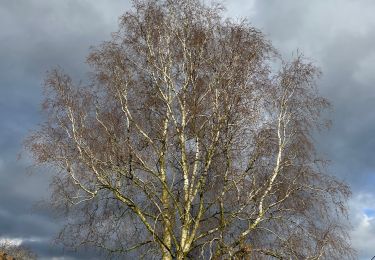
(12, 241)
(240, 9)
(362, 235)
(18, 240)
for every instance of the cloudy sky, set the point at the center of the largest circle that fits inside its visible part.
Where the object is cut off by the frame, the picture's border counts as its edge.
(35, 35)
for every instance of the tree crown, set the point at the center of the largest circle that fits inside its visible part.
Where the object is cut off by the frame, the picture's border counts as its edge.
(188, 143)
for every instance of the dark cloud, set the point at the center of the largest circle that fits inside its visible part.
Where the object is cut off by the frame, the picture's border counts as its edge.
(51, 251)
(35, 36)
(338, 35)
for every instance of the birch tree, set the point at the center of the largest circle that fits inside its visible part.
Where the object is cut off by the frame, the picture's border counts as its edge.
(188, 143)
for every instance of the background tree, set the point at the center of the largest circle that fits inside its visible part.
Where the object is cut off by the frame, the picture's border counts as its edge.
(188, 143)
(9, 250)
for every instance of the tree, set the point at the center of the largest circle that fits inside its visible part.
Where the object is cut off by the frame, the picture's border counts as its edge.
(10, 251)
(188, 143)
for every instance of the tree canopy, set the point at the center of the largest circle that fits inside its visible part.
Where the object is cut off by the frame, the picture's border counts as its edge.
(194, 139)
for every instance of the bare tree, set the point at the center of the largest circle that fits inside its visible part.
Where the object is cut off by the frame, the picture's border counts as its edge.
(188, 143)
(10, 251)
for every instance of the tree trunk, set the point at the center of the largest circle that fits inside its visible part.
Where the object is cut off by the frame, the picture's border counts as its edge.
(180, 255)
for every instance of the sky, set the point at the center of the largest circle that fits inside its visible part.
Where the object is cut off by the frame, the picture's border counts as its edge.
(37, 35)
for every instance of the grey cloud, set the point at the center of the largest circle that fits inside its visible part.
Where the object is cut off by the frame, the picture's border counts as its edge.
(36, 35)
(47, 251)
(338, 35)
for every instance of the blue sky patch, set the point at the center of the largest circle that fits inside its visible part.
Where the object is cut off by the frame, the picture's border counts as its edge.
(369, 212)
